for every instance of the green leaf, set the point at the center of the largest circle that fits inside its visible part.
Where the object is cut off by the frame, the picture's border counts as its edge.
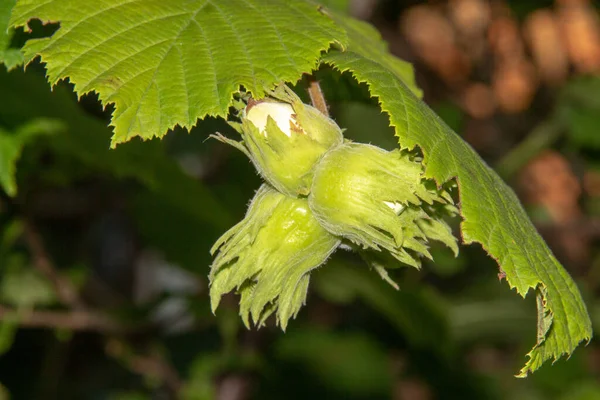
(365, 41)
(11, 58)
(11, 145)
(10, 150)
(8, 330)
(492, 213)
(24, 287)
(578, 108)
(5, 9)
(167, 63)
(86, 141)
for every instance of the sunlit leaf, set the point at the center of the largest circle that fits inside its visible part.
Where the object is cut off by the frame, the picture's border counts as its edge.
(167, 63)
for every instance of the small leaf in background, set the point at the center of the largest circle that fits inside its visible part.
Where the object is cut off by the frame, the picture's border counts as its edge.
(9, 153)
(8, 329)
(86, 143)
(11, 145)
(23, 287)
(10, 57)
(11, 232)
(202, 54)
(201, 383)
(579, 106)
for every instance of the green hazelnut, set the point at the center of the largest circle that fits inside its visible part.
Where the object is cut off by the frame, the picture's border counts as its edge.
(268, 257)
(378, 199)
(285, 139)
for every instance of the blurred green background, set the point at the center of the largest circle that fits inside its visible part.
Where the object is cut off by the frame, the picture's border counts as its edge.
(124, 234)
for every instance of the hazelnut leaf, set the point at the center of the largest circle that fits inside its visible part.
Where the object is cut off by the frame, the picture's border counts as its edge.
(492, 214)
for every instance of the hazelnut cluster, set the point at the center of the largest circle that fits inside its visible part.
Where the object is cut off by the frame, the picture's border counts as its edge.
(320, 191)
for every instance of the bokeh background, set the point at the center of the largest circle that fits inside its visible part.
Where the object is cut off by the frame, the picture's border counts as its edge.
(104, 253)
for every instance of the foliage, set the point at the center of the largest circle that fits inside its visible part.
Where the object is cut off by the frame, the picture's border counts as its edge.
(578, 108)
(184, 60)
(11, 145)
(9, 56)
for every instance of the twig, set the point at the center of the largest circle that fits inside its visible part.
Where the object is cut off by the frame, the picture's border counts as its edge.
(64, 289)
(316, 96)
(74, 320)
(153, 366)
(83, 319)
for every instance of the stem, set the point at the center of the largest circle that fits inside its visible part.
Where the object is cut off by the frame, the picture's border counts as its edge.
(316, 96)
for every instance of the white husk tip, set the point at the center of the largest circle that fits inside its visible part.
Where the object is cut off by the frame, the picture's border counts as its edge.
(396, 207)
(282, 113)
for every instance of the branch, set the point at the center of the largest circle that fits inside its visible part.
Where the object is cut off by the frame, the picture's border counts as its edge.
(64, 289)
(73, 320)
(153, 366)
(83, 319)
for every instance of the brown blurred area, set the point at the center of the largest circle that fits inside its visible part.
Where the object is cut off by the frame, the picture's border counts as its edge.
(494, 62)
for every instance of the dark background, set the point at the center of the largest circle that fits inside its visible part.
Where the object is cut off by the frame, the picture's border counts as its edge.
(123, 234)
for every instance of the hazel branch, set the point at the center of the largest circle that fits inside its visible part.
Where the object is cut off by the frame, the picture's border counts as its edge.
(64, 289)
(73, 320)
